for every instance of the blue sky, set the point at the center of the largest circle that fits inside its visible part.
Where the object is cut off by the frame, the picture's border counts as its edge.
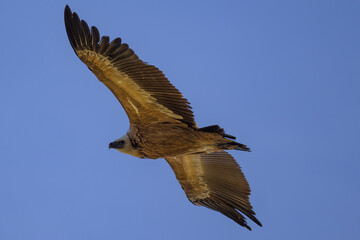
(282, 76)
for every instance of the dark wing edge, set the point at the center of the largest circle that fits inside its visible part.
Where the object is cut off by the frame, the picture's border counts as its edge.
(148, 77)
(215, 180)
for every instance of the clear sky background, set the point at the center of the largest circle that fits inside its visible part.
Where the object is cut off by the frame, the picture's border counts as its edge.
(282, 76)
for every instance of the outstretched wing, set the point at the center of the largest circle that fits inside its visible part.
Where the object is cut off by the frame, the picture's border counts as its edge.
(143, 90)
(215, 180)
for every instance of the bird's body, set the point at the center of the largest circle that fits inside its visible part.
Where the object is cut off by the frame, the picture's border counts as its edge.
(162, 124)
(167, 140)
(163, 140)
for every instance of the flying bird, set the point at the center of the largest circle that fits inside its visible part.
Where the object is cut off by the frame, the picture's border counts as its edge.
(162, 124)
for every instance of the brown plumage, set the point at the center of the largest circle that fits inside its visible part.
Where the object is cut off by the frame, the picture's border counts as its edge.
(162, 124)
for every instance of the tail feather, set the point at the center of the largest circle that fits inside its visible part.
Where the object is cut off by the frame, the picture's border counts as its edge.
(240, 146)
(227, 144)
(216, 129)
(234, 145)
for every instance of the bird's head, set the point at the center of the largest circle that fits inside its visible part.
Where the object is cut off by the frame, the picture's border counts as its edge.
(124, 145)
(121, 143)
(117, 144)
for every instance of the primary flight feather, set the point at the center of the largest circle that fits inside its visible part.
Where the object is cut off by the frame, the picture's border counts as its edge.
(162, 124)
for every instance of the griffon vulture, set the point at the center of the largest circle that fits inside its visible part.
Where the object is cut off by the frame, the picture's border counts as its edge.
(162, 124)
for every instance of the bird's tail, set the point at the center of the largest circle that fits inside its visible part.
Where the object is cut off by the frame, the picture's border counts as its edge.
(216, 129)
(227, 144)
(233, 145)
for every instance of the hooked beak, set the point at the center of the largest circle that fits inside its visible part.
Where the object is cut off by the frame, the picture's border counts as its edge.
(118, 144)
(112, 145)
